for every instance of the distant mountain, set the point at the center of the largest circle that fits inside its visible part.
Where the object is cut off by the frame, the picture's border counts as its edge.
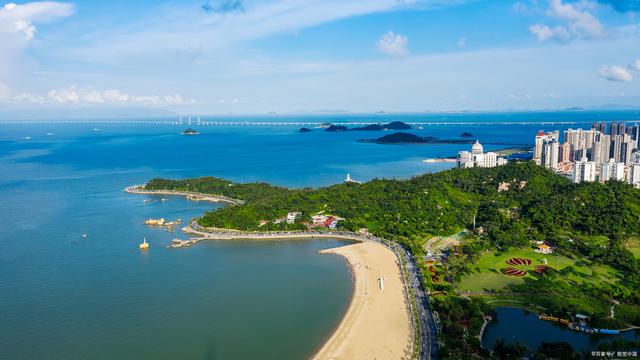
(395, 125)
(372, 127)
(304, 130)
(401, 138)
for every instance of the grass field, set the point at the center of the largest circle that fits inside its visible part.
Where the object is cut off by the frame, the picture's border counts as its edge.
(634, 246)
(486, 273)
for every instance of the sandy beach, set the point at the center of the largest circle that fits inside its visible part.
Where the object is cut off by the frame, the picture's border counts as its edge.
(377, 323)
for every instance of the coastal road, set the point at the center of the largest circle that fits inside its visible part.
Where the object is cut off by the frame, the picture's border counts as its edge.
(428, 333)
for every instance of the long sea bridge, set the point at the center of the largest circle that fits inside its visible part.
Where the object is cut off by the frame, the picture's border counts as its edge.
(308, 123)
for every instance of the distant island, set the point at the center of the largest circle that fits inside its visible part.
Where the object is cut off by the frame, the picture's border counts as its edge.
(336, 128)
(190, 132)
(400, 138)
(394, 125)
(466, 135)
(304, 130)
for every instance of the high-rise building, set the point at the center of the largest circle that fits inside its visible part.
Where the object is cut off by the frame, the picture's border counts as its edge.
(603, 127)
(611, 170)
(635, 132)
(634, 175)
(621, 148)
(565, 153)
(541, 139)
(550, 154)
(584, 170)
(601, 149)
(613, 129)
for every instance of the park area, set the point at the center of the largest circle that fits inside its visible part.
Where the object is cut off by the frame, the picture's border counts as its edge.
(495, 271)
(634, 246)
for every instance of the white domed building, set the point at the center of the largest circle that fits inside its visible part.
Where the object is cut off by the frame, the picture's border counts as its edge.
(478, 158)
(477, 148)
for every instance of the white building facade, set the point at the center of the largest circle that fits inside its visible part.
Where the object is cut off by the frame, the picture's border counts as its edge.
(478, 158)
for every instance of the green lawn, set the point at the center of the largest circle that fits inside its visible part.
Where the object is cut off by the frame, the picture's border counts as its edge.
(634, 246)
(486, 273)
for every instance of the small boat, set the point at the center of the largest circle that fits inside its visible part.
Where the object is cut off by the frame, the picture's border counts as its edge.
(164, 199)
(144, 245)
(84, 236)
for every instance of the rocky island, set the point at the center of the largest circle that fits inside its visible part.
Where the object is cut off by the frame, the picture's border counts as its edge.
(190, 132)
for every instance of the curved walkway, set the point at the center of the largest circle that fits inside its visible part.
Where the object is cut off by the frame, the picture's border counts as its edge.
(139, 189)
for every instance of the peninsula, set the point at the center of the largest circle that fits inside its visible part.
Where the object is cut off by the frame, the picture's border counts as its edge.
(517, 234)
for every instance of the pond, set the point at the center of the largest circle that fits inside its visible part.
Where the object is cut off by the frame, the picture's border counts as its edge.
(512, 324)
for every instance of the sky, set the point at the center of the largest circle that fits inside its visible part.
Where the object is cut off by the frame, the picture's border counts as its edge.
(315, 56)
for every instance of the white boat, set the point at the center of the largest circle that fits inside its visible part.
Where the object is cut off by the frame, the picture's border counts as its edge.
(144, 245)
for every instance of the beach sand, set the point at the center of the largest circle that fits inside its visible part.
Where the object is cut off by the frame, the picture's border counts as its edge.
(377, 323)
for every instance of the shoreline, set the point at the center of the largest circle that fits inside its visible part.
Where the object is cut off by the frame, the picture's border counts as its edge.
(377, 324)
(139, 189)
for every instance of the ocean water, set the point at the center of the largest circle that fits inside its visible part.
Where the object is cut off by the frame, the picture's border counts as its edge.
(63, 296)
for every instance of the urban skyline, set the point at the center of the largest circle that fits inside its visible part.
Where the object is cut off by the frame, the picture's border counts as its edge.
(607, 151)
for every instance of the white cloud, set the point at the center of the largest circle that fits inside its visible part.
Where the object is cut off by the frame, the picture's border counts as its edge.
(179, 29)
(577, 22)
(581, 21)
(73, 95)
(393, 44)
(635, 65)
(20, 19)
(615, 73)
(543, 33)
(17, 29)
(65, 95)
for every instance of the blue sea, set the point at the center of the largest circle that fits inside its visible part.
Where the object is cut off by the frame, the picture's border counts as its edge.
(65, 296)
